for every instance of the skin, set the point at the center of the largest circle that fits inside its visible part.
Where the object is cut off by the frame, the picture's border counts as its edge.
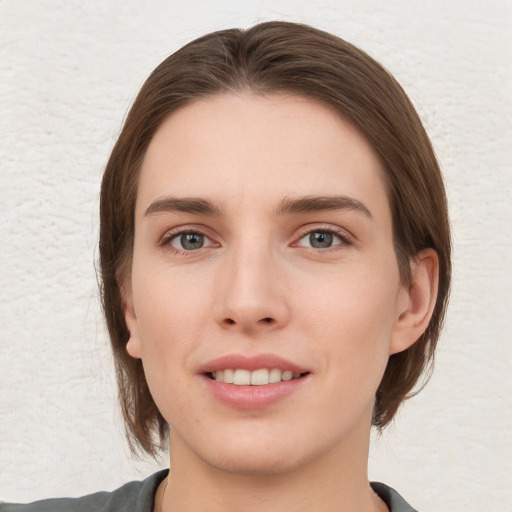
(258, 286)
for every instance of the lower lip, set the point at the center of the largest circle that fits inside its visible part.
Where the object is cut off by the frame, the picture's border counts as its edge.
(253, 397)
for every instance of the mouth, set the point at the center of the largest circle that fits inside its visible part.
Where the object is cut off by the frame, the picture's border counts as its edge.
(254, 381)
(258, 377)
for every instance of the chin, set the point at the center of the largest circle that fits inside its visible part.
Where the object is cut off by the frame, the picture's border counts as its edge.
(237, 453)
(262, 456)
(255, 465)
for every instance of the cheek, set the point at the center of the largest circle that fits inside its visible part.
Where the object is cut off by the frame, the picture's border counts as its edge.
(170, 312)
(353, 316)
(348, 325)
(169, 318)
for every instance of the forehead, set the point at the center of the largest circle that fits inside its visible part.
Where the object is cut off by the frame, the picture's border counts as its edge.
(247, 145)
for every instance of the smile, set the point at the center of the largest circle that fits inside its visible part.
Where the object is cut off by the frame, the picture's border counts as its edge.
(259, 377)
(253, 381)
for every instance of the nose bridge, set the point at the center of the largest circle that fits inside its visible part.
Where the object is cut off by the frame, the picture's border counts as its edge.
(251, 295)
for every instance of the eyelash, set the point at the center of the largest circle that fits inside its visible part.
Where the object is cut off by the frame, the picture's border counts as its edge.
(346, 239)
(343, 235)
(168, 238)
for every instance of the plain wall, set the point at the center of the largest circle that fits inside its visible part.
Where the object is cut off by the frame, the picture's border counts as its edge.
(68, 73)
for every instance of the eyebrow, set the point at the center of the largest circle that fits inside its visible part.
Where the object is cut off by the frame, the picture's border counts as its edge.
(182, 204)
(321, 203)
(288, 205)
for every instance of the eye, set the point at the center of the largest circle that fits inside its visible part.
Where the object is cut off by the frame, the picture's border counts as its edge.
(189, 241)
(321, 239)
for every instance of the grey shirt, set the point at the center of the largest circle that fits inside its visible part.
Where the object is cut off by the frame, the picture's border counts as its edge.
(140, 496)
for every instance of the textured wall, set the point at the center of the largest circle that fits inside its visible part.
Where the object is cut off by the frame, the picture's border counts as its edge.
(68, 72)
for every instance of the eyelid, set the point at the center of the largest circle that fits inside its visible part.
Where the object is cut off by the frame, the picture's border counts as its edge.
(173, 233)
(164, 241)
(346, 237)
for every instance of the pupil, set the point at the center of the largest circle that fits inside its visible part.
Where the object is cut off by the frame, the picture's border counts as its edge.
(191, 241)
(320, 240)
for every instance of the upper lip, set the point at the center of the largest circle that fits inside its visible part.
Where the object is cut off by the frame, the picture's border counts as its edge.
(251, 363)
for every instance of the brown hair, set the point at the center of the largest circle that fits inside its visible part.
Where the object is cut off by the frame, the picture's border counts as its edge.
(278, 57)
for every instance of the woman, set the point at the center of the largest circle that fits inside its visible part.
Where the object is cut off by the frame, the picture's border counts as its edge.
(275, 267)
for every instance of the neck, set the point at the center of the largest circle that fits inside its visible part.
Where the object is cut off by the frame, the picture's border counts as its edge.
(335, 482)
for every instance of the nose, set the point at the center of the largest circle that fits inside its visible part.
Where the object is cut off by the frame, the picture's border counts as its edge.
(252, 292)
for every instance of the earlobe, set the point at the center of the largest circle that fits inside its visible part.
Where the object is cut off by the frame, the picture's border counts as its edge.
(416, 304)
(133, 346)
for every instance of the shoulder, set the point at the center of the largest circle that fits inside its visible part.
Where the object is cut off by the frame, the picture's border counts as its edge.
(133, 496)
(391, 498)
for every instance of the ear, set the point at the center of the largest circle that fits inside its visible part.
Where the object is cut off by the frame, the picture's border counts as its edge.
(133, 346)
(416, 303)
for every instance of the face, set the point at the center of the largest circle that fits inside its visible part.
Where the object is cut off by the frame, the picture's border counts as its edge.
(265, 294)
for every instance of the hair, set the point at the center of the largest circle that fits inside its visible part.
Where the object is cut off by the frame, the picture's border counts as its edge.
(278, 57)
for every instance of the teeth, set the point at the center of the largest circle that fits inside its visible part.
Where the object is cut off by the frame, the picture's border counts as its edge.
(287, 375)
(274, 375)
(242, 377)
(228, 378)
(259, 377)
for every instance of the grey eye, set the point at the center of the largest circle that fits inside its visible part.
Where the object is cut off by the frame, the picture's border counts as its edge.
(188, 241)
(320, 239)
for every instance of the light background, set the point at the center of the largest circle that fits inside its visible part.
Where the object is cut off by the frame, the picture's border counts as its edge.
(68, 73)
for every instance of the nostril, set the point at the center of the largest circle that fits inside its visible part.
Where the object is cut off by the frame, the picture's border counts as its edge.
(266, 320)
